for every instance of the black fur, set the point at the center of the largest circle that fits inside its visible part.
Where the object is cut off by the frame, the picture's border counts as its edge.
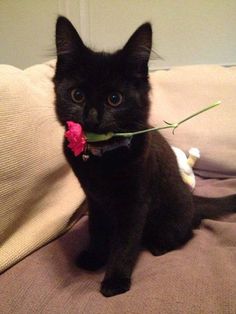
(136, 195)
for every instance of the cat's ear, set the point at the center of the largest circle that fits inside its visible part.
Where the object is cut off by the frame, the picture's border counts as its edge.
(67, 38)
(138, 48)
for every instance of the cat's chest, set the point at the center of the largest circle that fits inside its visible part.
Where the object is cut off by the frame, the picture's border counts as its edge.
(105, 176)
(98, 173)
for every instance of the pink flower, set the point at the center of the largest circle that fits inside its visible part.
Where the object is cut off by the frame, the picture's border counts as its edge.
(75, 137)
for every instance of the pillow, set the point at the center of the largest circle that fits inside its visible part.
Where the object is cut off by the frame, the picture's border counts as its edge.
(38, 191)
(181, 91)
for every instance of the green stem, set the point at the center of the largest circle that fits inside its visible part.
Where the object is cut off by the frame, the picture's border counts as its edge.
(201, 111)
(142, 131)
(92, 137)
(170, 125)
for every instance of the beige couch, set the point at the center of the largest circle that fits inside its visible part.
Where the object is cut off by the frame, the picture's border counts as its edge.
(41, 199)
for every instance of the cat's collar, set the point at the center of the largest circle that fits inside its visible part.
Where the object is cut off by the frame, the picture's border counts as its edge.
(100, 149)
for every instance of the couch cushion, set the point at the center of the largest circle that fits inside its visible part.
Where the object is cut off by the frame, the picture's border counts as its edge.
(181, 91)
(39, 193)
(197, 278)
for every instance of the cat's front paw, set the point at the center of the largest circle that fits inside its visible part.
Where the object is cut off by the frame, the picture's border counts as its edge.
(90, 261)
(114, 286)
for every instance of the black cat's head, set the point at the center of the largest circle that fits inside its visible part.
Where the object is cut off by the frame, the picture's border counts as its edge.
(104, 92)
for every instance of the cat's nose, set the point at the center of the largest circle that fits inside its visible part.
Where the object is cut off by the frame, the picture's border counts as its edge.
(91, 120)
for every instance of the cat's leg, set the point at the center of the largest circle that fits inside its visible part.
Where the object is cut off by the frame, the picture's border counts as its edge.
(166, 237)
(169, 226)
(96, 255)
(125, 246)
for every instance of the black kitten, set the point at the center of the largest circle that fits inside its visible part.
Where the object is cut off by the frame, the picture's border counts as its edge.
(134, 190)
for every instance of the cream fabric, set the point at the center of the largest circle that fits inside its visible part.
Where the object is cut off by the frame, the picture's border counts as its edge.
(181, 91)
(38, 192)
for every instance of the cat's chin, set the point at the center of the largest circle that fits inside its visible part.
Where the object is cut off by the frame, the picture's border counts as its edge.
(110, 141)
(99, 148)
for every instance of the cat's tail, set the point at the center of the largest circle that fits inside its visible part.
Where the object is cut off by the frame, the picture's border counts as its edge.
(206, 207)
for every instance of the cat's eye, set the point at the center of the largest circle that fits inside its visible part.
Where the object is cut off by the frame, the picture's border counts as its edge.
(114, 99)
(78, 96)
